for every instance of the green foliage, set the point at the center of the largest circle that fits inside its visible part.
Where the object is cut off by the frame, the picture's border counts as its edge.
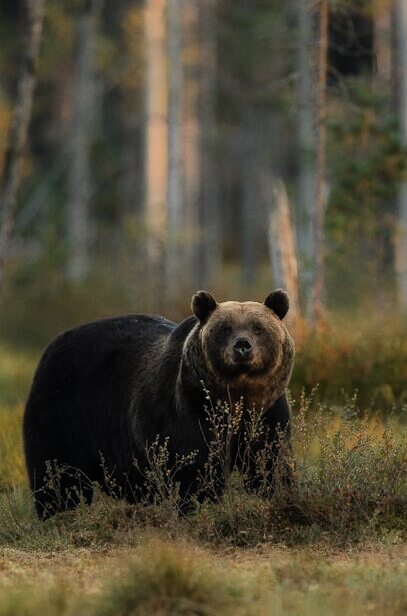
(366, 163)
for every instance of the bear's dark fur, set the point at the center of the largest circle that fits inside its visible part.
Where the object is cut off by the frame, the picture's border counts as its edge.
(103, 392)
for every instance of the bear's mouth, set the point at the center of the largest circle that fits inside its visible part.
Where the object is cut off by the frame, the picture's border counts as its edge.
(242, 366)
(241, 363)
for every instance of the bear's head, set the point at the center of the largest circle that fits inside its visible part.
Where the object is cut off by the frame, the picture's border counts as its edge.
(245, 345)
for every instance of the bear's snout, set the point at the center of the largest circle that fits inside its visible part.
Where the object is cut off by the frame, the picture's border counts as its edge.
(242, 348)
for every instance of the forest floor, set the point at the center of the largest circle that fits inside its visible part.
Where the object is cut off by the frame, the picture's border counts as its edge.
(173, 577)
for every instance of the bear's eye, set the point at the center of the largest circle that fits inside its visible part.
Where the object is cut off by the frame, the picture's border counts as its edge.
(227, 329)
(257, 329)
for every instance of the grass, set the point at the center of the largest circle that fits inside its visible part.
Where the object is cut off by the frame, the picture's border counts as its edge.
(167, 577)
(335, 544)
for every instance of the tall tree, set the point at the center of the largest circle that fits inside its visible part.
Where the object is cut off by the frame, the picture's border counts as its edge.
(401, 237)
(250, 163)
(382, 40)
(210, 207)
(319, 212)
(192, 146)
(80, 182)
(131, 119)
(282, 242)
(22, 114)
(156, 139)
(306, 142)
(174, 187)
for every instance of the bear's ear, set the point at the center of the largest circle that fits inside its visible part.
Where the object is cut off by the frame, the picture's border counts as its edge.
(278, 302)
(203, 305)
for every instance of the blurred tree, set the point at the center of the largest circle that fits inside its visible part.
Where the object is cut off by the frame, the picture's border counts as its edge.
(306, 143)
(192, 145)
(156, 140)
(252, 166)
(321, 188)
(127, 43)
(382, 11)
(80, 178)
(401, 238)
(22, 115)
(175, 228)
(225, 95)
(210, 218)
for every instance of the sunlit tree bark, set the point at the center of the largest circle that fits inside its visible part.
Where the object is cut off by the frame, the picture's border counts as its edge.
(175, 228)
(192, 141)
(282, 244)
(156, 140)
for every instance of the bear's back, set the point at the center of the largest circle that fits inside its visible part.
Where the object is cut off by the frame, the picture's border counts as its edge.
(99, 349)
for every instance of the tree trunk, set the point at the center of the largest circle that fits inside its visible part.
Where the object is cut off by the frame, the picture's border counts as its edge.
(307, 146)
(382, 42)
(80, 184)
(192, 146)
(210, 218)
(401, 234)
(319, 212)
(282, 243)
(251, 206)
(156, 140)
(22, 115)
(174, 187)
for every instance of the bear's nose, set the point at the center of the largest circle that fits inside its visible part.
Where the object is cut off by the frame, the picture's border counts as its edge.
(242, 347)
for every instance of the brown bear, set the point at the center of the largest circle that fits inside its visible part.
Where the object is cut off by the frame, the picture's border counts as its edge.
(104, 392)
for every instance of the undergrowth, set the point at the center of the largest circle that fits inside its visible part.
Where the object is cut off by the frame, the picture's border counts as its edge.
(349, 484)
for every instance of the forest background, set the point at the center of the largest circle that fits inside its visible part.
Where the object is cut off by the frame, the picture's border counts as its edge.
(220, 144)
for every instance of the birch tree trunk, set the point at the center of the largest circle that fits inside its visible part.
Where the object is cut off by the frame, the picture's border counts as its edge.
(401, 234)
(319, 212)
(80, 183)
(307, 144)
(156, 141)
(22, 114)
(174, 188)
(282, 243)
